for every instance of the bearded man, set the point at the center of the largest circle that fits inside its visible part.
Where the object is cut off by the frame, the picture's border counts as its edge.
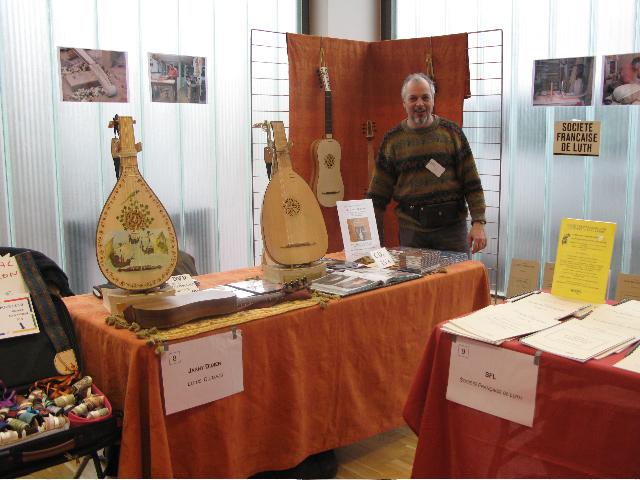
(426, 165)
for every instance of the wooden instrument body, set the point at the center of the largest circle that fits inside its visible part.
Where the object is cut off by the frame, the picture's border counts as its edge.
(163, 312)
(293, 228)
(136, 244)
(326, 153)
(328, 185)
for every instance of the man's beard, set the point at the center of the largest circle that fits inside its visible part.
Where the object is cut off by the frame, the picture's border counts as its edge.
(421, 121)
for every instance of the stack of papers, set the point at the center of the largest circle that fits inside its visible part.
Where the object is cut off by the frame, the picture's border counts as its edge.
(449, 258)
(578, 340)
(496, 324)
(417, 260)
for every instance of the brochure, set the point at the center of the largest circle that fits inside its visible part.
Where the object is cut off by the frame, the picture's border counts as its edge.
(349, 282)
(359, 228)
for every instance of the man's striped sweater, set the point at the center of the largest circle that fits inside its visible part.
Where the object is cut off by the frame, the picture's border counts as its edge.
(401, 172)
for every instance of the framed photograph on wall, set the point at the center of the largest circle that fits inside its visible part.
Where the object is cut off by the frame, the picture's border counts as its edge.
(177, 78)
(563, 82)
(88, 75)
(621, 79)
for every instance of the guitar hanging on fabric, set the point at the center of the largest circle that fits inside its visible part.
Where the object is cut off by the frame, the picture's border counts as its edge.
(136, 244)
(368, 129)
(327, 181)
(293, 228)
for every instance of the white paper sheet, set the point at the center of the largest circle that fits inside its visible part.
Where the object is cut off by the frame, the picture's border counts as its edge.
(630, 362)
(558, 307)
(493, 380)
(505, 320)
(17, 316)
(11, 281)
(578, 339)
(200, 371)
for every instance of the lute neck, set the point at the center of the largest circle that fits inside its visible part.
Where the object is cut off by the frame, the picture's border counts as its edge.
(281, 144)
(128, 148)
(328, 126)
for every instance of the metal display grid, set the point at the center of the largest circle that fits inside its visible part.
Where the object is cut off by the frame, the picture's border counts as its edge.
(482, 123)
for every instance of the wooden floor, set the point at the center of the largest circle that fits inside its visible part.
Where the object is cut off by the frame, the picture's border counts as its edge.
(387, 455)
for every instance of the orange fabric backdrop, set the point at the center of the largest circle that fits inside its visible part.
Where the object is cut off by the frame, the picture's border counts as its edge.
(365, 79)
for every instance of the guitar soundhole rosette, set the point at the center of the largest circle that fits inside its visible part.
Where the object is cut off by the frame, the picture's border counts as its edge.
(291, 207)
(329, 161)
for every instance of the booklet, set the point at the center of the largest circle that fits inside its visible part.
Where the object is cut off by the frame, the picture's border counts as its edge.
(348, 282)
(358, 227)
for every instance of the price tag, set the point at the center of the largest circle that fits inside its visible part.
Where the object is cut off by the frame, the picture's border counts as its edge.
(382, 258)
(183, 284)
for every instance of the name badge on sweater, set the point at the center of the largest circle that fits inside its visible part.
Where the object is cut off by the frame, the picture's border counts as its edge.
(435, 168)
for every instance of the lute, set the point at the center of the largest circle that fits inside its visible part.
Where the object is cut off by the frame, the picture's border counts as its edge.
(164, 312)
(368, 129)
(326, 154)
(136, 244)
(293, 228)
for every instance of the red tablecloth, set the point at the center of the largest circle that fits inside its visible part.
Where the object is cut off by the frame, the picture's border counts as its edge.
(314, 379)
(586, 423)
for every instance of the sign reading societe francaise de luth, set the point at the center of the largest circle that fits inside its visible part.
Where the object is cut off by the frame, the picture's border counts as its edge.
(576, 138)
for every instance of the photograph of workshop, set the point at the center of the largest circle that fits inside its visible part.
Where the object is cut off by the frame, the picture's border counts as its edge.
(621, 79)
(177, 78)
(563, 82)
(93, 75)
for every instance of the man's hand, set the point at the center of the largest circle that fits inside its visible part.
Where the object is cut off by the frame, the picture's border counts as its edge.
(477, 237)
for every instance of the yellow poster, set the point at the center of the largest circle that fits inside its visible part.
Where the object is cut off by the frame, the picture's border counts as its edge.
(583, 259)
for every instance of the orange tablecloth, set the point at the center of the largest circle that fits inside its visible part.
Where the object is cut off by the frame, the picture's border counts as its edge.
(586, 423)
(313, 379)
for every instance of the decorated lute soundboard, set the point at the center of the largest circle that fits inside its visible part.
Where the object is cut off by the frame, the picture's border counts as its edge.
(136, 244)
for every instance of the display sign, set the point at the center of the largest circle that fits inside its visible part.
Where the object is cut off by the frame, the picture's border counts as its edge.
(183, 284)
(493, 380)
(583, 259)
(11, 281)
(628, 287)
(359, 228)
(576, 138)
(382, 257)
(17, 316)
(547, 276)
(523, 276)
(203, 370)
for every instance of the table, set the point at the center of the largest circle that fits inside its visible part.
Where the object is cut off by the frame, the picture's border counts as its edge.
(314, 379)
(586, 423)
(161, 85)
(193, 92)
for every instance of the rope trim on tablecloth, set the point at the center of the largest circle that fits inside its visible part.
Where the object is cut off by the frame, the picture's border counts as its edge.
(156, 337)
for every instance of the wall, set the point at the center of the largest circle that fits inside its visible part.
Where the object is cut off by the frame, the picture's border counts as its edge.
(351, 20)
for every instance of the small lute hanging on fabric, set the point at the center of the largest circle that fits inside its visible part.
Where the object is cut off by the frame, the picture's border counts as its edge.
(293, 228)
(368, 129)
(136, 244)
(326, 153)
